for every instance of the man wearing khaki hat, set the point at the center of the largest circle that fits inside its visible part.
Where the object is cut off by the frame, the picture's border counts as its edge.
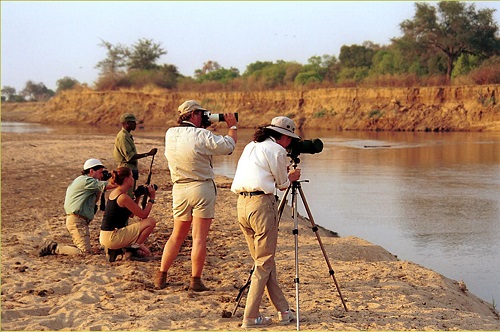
(125, 152)
(189, 148)
(262, 168)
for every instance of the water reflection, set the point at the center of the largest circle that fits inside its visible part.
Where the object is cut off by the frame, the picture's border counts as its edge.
(21, 127)
(432, 198)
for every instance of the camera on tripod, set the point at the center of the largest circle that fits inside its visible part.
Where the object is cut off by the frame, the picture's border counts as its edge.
(310, 146)
(143, 190)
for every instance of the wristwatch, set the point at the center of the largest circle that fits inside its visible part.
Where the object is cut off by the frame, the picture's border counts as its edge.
(152, 201)
(233, 127)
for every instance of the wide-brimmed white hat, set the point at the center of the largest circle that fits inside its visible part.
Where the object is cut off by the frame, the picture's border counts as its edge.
(283, 125)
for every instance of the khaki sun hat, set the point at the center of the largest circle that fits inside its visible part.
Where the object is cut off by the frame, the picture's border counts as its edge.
(189, 106)
(127, 117)
(283, 125)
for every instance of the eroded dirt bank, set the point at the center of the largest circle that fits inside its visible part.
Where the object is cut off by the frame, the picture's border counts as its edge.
(458, 108)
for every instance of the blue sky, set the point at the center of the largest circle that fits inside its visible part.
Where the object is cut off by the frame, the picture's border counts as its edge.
(44, 41)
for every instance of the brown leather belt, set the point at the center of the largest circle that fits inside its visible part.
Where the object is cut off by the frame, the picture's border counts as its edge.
(252, 193)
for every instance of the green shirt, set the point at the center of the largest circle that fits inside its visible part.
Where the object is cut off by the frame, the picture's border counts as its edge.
(81, 196)
(125, 150)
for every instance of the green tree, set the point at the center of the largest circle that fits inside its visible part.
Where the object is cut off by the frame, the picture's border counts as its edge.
(116, 59)
(36, 91)
(256, 66)
(66, 83)
(357, 55)
(144, 54)
(222, 75)
(169, 74)
(308, 77)
(355, 74)
(291, 72)
(453, 28)
(8, 93)
(464, 64)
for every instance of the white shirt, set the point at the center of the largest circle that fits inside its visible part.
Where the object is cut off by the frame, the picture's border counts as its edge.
(262, 167)
(189, 152)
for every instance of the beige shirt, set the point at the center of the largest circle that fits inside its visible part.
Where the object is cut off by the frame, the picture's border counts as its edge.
(189, 152)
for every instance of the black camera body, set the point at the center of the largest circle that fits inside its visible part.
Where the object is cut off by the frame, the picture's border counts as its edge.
(310, 146)
(143, 190)
(105, 175)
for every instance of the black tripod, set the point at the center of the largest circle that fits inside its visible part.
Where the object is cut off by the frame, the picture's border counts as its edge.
(296, 187)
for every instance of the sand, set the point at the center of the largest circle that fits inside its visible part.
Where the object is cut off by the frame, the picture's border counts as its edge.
(89, 293)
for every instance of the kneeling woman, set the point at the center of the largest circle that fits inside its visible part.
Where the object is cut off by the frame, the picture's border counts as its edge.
(115, 234)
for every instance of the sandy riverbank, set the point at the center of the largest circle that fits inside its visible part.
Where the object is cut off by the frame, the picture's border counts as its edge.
(54, 293)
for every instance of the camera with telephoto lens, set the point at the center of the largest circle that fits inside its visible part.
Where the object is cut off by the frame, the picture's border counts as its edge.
(143, 190)
(216, 117)
(106, 175)
(310, 146)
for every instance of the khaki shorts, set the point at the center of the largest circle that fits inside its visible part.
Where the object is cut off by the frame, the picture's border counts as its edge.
(120, 238)
(194, 199)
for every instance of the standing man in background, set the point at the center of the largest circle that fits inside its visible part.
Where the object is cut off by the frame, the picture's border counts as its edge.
(125, 152)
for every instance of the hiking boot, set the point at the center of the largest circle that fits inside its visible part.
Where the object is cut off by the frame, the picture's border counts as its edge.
(197, 285)
(286, 317)
(260, 321)
(160, 280)
(111, 254)
(49, 248)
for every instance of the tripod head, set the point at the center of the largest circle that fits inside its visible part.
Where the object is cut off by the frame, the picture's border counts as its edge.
(294, 161)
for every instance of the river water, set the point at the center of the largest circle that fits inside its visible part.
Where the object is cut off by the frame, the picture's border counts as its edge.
(430, 198)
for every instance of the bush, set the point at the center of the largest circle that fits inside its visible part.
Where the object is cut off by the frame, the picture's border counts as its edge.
(488, 72)
(112, 83)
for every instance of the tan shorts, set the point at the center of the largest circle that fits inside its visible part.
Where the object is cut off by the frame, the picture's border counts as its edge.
(195, 198)
(120, 238)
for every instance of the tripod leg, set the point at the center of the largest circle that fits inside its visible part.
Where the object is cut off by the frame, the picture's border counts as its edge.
(242, 289)
(315, 230)
(281, 206)
(296, 236)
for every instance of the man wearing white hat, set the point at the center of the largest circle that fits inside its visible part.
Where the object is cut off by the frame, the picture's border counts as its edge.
(262, 168)
(82, 196)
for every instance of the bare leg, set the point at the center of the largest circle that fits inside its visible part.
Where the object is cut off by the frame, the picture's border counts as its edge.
(173, 245)
(201, 226)
(147, 227)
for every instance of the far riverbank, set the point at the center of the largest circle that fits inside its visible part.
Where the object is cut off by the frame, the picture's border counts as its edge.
(433, 109)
